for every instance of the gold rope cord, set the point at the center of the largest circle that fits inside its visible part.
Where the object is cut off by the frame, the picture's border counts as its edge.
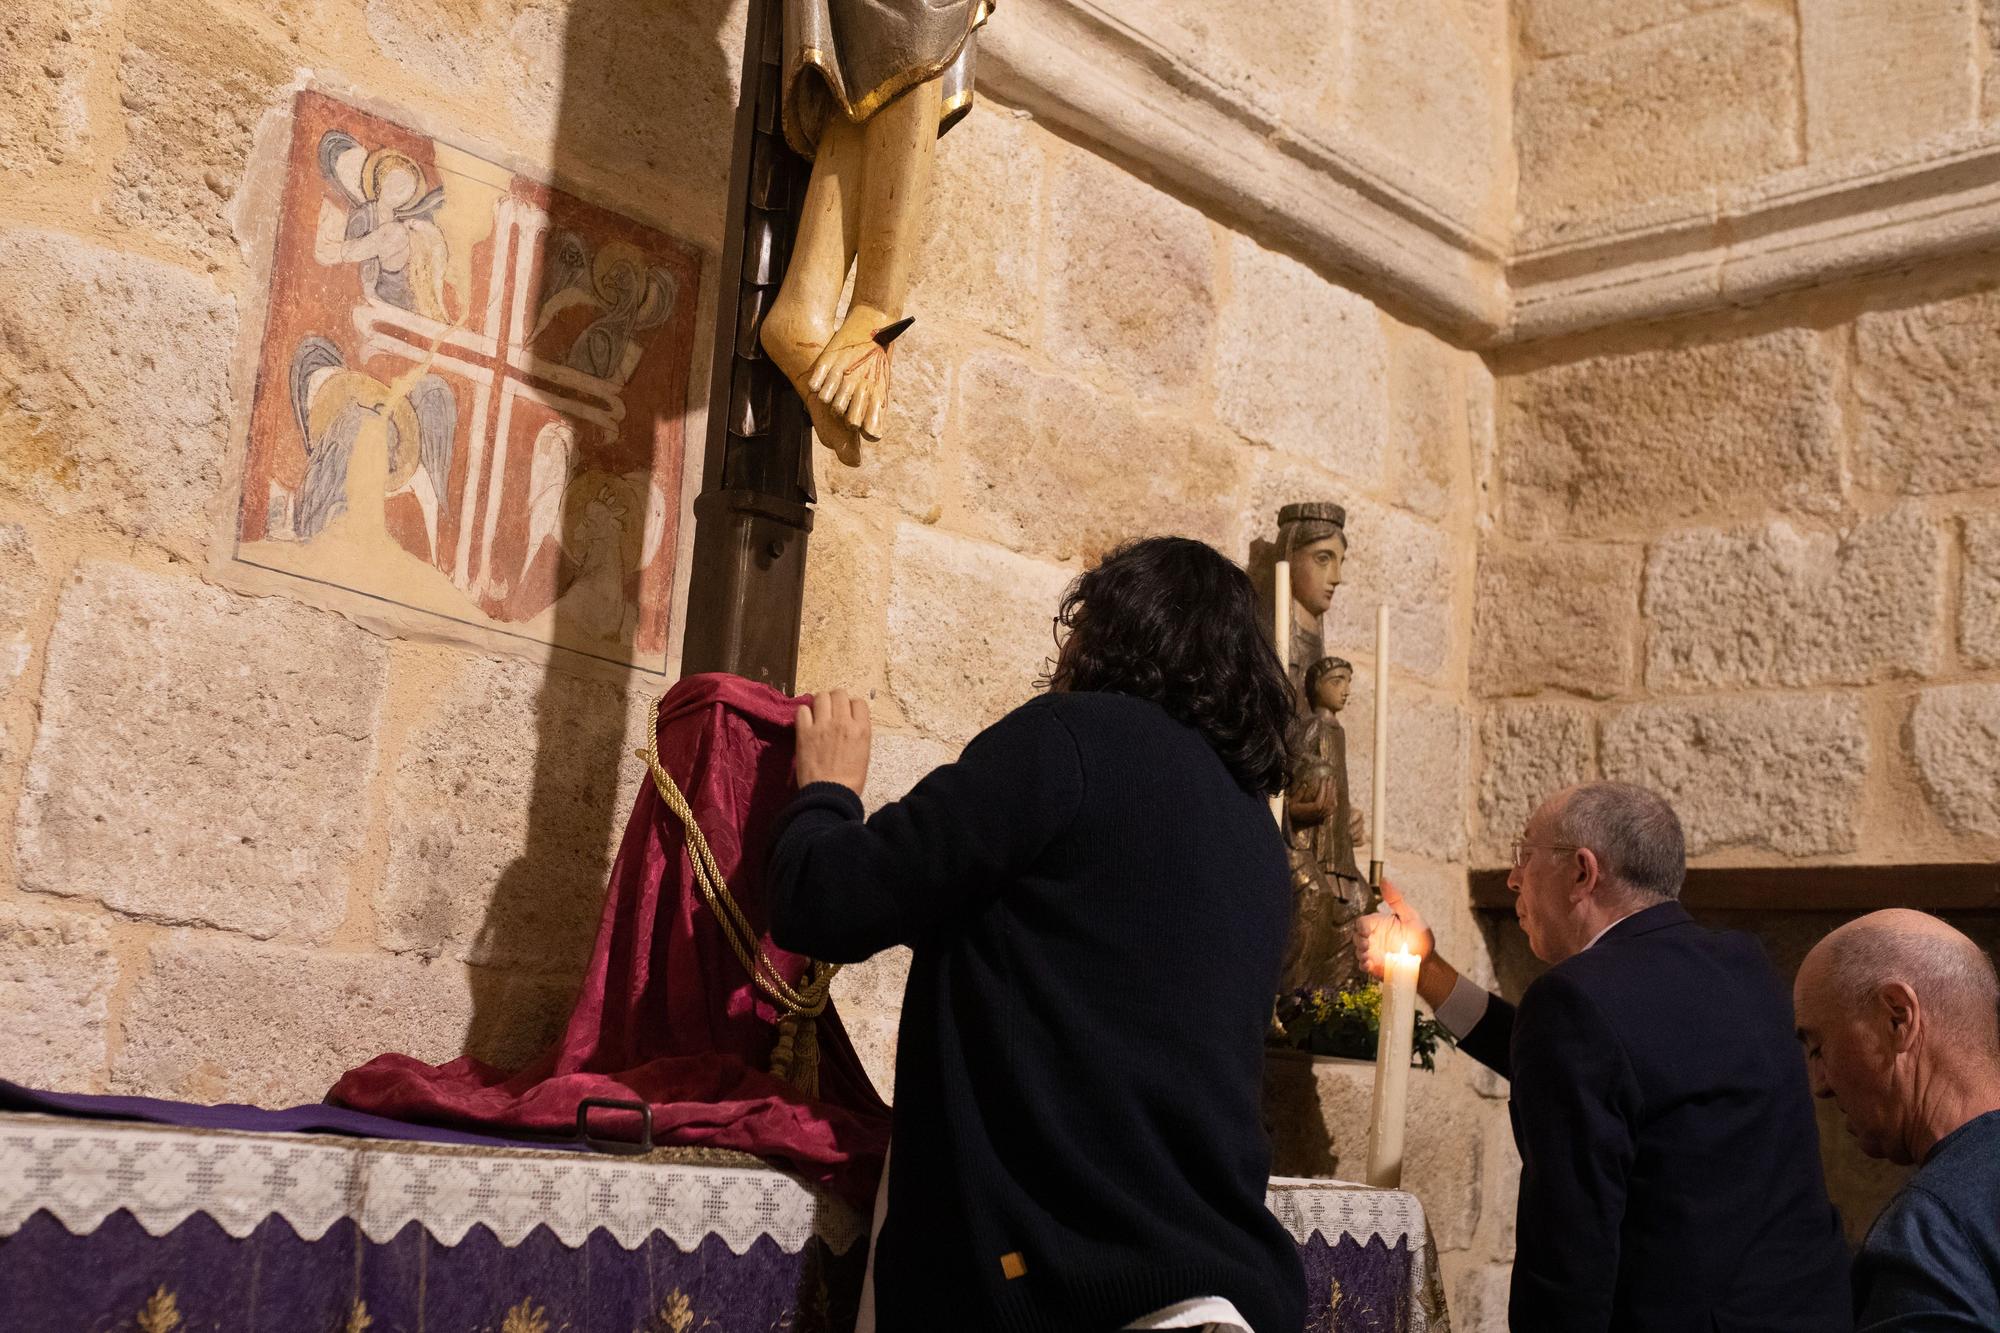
(795, 1058)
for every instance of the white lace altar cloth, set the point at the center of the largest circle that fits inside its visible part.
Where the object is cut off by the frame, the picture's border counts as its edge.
(81, 1171)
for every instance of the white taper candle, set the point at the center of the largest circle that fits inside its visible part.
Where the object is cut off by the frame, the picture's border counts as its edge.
(1281, 630)
(1392, 1069)
(1378, 814)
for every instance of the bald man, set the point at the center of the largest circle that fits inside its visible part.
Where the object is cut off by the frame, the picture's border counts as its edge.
(1900, 1017)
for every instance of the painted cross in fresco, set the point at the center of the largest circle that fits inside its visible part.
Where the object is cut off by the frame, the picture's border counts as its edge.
(471, 395)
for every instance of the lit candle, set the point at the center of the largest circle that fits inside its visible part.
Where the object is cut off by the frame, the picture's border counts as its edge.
(1379, 812)
(1281, 630)
(1392, 1068)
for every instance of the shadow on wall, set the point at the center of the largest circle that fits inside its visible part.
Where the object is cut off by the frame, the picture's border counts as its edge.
(647, 94)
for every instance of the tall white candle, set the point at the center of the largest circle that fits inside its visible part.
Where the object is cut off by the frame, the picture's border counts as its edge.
(1281, 630)
(1392, 1069)
(1379, 805)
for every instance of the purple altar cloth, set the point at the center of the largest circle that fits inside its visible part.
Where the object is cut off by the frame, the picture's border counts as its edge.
(313, 1119)
(274, 1280)
(123, 1227)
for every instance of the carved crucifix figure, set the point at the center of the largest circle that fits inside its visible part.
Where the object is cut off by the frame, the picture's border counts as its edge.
(869, 86)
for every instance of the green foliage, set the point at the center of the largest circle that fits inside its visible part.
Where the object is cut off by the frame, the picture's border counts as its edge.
(1348, 1023)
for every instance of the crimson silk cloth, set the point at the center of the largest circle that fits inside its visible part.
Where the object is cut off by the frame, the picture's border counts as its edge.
(667, 1014)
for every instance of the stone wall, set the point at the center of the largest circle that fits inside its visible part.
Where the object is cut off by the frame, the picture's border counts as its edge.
(1751, 562)
(254, 843)
(1632, 112)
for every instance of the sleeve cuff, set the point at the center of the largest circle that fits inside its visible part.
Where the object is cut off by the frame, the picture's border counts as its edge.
(1463, 1008)
(835, 795)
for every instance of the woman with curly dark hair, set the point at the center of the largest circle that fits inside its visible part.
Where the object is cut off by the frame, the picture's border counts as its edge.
(1097, 902)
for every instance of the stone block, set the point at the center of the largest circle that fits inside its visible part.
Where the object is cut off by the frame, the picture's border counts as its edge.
(1445, 1150)
(844, 612)
(1781, 773)
(1885, 74)
(869, 998)
(1274, 54)
(1316, 1111)
(902, 466)
(1955, 734)
(1979, 592)
(1428, 82)
(1637, 440)
(48, 58)
(1927, 394)
(1989, 34)
(1779, 604)
(202, 758)
(446, 44)
(641, 96)
(1479, 1303)
(1058, 468)
(897, 761)
(1562, 27)
(1528, 752)
(1428, 420)
(506, 806)
(1557, 617)
(1130, 279)
(56, 977)
(1302, 365)
(1503, 1185)
(21, 581)
(1429, 765)
(216, 1019)
(193, 82)
(114, 387)
(981, 258)
(1398, 560)
(1672, 111)
(971, 627)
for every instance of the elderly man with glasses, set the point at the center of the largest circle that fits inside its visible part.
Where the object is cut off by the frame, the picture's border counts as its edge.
(1670, 1171)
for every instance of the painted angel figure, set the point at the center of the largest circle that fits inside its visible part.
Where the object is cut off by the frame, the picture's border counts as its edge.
(869, 86)
(389, 227)
(366, 442)
(630, 299)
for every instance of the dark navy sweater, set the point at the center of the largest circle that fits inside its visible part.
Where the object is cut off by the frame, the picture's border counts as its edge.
(1932, 1260)
(1097, 914)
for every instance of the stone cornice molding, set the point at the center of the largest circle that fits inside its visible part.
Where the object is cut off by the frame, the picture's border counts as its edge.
(1806, 228)
(1073, 64)
(1354, 212)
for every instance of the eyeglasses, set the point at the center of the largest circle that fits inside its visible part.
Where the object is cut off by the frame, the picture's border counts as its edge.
(1523, 849)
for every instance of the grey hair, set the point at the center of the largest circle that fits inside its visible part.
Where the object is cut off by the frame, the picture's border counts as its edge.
(1953, 978)
(1634, 832)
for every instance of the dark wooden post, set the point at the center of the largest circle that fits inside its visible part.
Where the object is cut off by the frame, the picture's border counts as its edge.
(747, 584)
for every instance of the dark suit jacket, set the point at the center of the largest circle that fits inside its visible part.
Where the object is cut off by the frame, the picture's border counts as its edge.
(1670, 1171)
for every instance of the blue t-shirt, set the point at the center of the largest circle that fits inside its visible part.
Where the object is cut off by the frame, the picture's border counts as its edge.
(1932, 1259)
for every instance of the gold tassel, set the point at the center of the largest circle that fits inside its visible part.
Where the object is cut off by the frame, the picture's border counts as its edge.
(795, 1057)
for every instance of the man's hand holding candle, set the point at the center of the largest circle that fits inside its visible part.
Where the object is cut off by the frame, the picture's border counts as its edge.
(1400, 926)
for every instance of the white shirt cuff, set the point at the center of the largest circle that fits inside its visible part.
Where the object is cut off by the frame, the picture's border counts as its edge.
(1463, 1008)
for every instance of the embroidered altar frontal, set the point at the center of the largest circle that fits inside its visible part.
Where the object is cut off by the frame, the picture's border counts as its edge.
(151, 1229)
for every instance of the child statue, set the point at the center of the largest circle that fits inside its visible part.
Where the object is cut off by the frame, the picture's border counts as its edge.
(869, 85)
(1323, 828)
